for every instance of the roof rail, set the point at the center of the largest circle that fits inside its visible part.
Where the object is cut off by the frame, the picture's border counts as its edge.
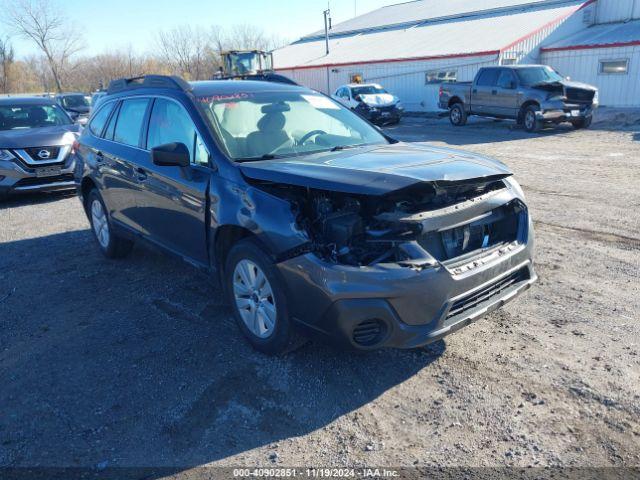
(148, 81)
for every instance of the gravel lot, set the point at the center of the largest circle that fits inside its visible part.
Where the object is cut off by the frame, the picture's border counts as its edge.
(138, 362)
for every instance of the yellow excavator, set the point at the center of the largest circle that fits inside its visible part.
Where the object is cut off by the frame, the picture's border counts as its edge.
(250, 65)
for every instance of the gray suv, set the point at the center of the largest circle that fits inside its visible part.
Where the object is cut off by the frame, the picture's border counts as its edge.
(36, 142)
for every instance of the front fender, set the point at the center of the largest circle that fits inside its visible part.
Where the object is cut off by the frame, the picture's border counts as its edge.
(271, 219)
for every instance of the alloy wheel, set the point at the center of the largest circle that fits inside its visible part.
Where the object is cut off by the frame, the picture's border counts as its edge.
(254, 298)
(100, 223)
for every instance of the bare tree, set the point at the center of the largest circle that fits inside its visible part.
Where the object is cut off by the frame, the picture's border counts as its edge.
(7, 59)
(47, 26)
(187, 52)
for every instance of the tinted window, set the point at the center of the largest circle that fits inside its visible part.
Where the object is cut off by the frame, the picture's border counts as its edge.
(99, 120)
(21, 117)
(488, 78)
(130, 120)
(505, 79)
(170, 123)
(74, 101)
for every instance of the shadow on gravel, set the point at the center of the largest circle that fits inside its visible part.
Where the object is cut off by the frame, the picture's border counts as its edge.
(34, 198)
(138, 363)
(477, 131)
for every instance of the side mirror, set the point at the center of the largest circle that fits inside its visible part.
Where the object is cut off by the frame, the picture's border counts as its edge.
(171, 155)
(357, 98)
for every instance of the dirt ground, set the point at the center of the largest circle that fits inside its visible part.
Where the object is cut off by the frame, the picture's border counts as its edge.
(138, 363)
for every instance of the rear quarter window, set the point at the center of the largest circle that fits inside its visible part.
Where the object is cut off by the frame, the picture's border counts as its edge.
(99, 120)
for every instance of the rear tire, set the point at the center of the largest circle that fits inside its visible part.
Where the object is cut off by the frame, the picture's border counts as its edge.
(582, 122)
(257, 297)
(111, 245)
(530, 119)
(457, 115)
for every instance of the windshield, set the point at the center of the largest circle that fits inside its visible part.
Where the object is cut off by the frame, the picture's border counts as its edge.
(264, 125)
(535, 75)
(74, 101)
(367, 90)
(16, 117)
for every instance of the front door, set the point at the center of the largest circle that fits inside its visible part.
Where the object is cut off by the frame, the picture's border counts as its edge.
(484, 91)
(173, 201)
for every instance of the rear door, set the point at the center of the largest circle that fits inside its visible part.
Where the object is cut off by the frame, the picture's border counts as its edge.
(484, 91)
(174, 200)
(117, 157)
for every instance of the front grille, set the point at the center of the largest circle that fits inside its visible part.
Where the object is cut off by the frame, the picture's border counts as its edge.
(580, 95)
(476, 298)
(39, 181)
(499, 227)
(34, 153)
(369, 332)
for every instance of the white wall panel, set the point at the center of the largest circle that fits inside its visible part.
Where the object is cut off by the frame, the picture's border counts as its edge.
(407, 80)
(583, 65)
(615, 10)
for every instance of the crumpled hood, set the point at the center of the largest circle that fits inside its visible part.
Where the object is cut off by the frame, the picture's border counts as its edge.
(376, 170)
(566, 83)
(379, 99)
(39, 137)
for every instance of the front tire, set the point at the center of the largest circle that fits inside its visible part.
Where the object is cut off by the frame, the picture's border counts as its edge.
(582, 122)
(111, 244)
(530, 119)
(457, 115)
(257, 297)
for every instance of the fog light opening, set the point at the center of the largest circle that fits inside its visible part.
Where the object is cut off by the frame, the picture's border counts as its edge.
(369, 332)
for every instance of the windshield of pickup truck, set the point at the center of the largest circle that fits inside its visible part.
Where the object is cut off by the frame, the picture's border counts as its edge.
(534, 75)
(264, 125)
(74, 101)
(18, 117)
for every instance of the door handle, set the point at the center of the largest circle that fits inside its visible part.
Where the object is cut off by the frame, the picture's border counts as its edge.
(141, 174)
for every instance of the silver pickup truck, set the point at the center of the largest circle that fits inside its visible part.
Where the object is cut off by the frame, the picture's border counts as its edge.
(530, 94)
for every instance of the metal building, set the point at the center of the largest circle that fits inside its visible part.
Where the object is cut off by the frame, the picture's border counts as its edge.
(412, 47)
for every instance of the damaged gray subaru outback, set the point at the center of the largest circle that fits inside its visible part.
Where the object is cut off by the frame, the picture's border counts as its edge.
(313, 220)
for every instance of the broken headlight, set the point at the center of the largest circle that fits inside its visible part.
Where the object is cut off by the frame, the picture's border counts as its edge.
(513, 185)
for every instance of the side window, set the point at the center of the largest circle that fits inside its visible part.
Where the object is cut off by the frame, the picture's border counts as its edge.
(488, 78)
(99, 120)
(108, 134)
(506, 79)
(169, 123)
(130, 120)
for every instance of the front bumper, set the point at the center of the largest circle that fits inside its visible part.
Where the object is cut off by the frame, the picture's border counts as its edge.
(16, 177)
(383, 115)
(394, 306)
(566, 114)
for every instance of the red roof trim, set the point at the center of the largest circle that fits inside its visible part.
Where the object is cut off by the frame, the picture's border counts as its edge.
(547, 25)
(392, 60)
(592, 46)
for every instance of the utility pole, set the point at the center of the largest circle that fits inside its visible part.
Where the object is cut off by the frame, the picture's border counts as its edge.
(327, 27)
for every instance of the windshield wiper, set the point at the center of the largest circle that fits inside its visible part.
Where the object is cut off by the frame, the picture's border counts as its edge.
(266, 156)
(337, 148)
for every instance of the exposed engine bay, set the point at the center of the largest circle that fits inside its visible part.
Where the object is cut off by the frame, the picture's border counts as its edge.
(364, 230)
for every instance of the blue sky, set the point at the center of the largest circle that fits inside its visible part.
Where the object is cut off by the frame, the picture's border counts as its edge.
(114, 24)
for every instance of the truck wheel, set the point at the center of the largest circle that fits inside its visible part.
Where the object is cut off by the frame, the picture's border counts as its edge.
(582, 122)
(457, 115)
(530, 120)
(111, 245)
(257, 297)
